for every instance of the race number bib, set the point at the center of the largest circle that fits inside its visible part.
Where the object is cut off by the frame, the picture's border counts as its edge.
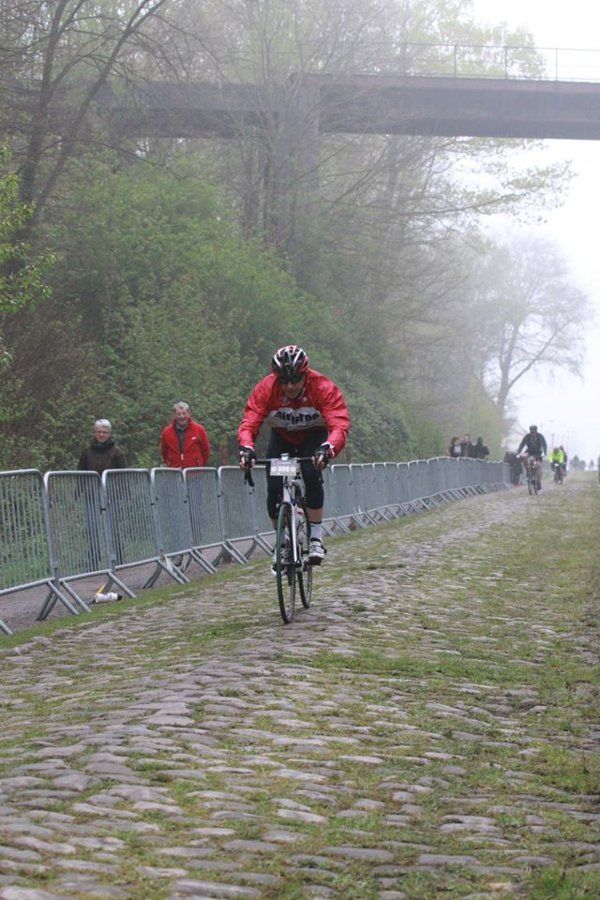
(281, 467)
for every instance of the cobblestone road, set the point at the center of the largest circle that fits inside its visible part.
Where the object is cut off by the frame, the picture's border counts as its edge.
(425, 729)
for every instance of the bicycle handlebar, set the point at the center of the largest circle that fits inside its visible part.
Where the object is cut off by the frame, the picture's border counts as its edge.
(261, 462)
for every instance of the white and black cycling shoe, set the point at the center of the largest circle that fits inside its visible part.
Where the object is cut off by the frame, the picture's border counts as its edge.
(316, 552)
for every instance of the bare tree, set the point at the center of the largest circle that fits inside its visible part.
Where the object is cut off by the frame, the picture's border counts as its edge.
(59, 54)
(531, 314)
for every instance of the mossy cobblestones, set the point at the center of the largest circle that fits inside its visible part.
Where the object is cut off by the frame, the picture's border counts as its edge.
(427, 728)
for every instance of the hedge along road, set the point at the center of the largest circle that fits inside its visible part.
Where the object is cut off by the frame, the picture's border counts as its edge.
(425, 728)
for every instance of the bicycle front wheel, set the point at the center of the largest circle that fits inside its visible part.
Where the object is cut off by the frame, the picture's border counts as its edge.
(284, 564)
(305, 570)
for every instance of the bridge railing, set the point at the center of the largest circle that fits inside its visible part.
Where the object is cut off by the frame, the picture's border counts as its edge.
(514, 62)
(70, 526)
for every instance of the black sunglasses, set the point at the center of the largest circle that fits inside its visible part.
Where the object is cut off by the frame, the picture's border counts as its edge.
(293, 379)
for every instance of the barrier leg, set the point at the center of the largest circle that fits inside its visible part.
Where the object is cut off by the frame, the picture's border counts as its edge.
(358, 520)
(53, 597)
(259, 539)
(438, 499)
(4, 627)
(73, 593)
(206, 565)
(223, 556)
(167, 564)
(46, 606)
(120, 584)
(236, 554)
(341, 525)
(152, 579)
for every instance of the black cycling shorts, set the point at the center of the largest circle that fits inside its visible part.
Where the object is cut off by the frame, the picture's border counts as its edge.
(312, 481)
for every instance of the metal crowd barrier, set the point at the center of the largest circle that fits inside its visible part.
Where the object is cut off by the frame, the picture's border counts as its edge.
(132, 522)
(403, 491)
(77, 534)
(262, 521)
(73, 525)
(343, 502)
(202, 488)
(26, 557)
(238, 514)
(173, 526)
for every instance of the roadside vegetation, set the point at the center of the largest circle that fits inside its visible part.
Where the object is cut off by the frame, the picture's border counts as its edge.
(140, 269)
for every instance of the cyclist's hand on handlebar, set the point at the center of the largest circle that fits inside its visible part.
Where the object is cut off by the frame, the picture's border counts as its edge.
(247, 457)
(322, 455)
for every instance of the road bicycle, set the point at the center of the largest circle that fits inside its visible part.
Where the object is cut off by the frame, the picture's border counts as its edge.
(292, 536)
(532, 476)
(558, 472)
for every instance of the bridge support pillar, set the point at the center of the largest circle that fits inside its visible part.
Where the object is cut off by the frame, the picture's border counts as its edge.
(292, 176)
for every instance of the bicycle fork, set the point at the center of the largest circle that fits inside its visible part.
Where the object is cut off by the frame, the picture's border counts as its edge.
(299, 521)
(294, 517)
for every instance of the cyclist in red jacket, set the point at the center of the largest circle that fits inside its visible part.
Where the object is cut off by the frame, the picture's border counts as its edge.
(308, 417)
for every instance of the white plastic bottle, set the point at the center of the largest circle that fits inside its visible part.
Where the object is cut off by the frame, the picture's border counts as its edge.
(106, 598)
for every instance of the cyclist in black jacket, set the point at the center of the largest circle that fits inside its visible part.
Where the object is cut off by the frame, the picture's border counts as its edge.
(536, 445)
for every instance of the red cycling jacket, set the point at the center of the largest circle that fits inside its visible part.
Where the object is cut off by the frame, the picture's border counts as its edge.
(320, 405)
(196, 446)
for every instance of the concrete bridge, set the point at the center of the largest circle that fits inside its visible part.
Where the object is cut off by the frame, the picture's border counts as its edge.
(364, 104)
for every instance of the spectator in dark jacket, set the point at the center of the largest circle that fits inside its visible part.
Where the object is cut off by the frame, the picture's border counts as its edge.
(516, 466)
(480, 451)
(102, 453)
(466, 447)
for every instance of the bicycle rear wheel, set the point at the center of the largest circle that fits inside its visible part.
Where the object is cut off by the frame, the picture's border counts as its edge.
(286, 576)
(305, 571)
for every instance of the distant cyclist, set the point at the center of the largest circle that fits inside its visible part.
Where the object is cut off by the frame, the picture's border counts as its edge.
(536, 446)
(556, 458)
(308, 417)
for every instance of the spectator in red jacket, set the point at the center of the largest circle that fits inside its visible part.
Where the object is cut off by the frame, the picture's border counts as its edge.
(184, 443)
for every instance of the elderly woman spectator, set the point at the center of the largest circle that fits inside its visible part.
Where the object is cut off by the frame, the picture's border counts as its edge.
(102, 453)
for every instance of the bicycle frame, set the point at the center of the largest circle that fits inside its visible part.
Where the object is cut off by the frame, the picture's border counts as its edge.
(531, 473)
(288, 468)
(292, 534)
